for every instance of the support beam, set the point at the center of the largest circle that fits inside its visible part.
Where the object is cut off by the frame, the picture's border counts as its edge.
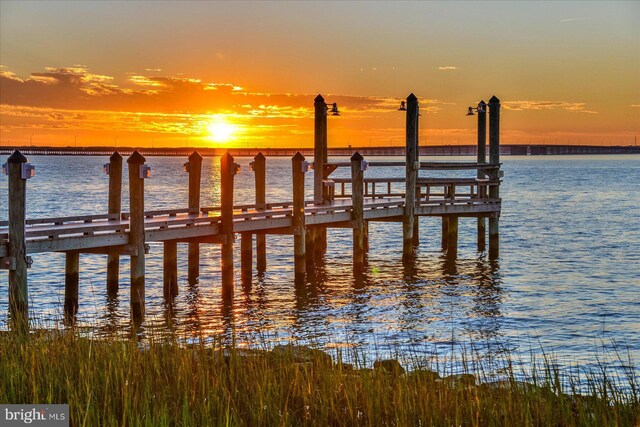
(136, 235)
(195, 177)
(115, 209)
(299, 250)
(71, 282)
(260, 171)
(357, 213)
(170, 269)
(17, 248)
(411, 175)
(228, 171)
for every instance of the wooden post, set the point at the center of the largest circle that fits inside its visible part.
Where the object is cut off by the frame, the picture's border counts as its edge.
(259, 169)
(494, 159)
(246, 258)
(136, 235)
(228, 169)
(299, 254)
(71, 279)
(18, 288)
(482, 158)
(411, 173)
(416, 219)
(195, 173)
(319, 147)
(115, 209)
(357, 213)
(318, 235)
(445, 232)
(452, 239)
(170, 267)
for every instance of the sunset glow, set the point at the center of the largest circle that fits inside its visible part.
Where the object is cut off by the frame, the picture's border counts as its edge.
(566, 73)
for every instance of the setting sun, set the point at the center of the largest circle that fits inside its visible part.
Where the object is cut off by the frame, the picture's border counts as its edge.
(220, 131)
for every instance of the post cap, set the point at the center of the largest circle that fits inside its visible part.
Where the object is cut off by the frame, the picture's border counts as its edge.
(136, 158)
(195, 156)
(494, 100)
(259, 156)
(226, 157)
(298, 156)
(17, 157)
(357, 157)
(412, 97)
(482, 104)
(115, 156)
(319, 98)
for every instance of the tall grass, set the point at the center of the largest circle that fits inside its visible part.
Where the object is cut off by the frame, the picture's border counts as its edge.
(119, 382)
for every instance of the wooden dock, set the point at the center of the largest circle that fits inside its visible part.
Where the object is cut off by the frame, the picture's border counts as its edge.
(353, 202)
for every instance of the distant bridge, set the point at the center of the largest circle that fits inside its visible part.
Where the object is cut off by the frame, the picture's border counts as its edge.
(430, 150)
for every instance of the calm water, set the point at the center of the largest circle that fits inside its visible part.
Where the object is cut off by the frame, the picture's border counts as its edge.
(567, 279)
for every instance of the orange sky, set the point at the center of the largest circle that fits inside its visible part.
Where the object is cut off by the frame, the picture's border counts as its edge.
(245, 74)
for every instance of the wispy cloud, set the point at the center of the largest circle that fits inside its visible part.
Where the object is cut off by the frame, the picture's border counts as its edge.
(635, 105)
(448, 68)
(573, 107)
(574, 19)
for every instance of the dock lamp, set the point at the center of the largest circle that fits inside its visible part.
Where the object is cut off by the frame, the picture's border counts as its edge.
(28, 170)
(481, 108)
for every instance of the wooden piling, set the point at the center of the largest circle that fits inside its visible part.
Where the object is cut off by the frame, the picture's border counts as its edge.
(300, 268)
(228, 169)
(246, 258)
(319, 147)
(136, 235)
(71, 281)
(482, 158)
(17, 250)
(411, 175)
(452, 236)
(317, 236)
(115, 208)
(494, 159)
(445, 233)
(416, 219)
(170, 269)
(195, 174)
(259, 169)
(357, 213)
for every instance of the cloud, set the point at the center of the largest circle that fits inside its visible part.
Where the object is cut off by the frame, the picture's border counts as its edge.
(635, 105)
(573, 19)
(574, 107)
(448, 68)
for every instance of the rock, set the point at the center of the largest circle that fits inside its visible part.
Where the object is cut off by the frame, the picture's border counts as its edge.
(390, 366)
(302, 354)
